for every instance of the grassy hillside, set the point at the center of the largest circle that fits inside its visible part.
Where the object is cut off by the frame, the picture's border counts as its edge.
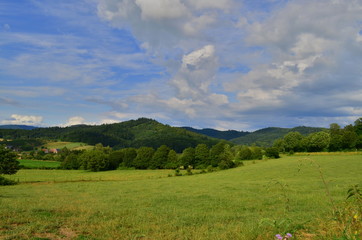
(133, 133)
(266, 136)
(69, 145)
(256, 201)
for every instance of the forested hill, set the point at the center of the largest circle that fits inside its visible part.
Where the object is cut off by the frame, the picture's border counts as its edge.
(227, 135)
(133, 133)
(266, 136)
(11, 126)
(148, 132)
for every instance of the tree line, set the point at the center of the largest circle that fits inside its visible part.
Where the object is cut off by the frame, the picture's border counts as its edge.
(221, 155)
(333, 139)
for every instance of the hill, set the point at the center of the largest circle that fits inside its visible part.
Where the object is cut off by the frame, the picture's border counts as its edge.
(145, 132)
(266, 136)
(133, 133)
(227, 135)
(25, 127)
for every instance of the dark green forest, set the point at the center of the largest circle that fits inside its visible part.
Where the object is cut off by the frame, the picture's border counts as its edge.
(133, 133)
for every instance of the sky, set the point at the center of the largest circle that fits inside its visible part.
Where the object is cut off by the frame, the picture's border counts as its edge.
(226, 64)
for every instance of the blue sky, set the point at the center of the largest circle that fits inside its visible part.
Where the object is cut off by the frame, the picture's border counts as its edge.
(226, 64)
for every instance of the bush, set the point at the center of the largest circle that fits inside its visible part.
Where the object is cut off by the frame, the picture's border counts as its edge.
(272, 152)
(5, 181)
(177, 172)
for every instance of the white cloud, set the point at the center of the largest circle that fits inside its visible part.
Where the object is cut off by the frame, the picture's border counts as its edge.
(165, 26)
(76, 120)
(309, 54)
(196, 73)
(202, 4)
(24, 120)
(161, 9)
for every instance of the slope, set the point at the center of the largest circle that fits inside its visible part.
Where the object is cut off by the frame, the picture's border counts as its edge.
(266, 136)
(133, 133)
(227, 135)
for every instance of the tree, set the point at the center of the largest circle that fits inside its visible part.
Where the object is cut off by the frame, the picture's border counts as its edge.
(144, 157)
(280, 144)
(160, 157)
(129, 156)
(188, 157)
(317, 142)
(71, 161)
(173, 160)
(257, 152)
(335, 132)
(221, 152)
(292, 141)
(115, 158)
(349, 139)
(94, 160)
(226, 158)
(215, 153)
(245, 153)
(358, 126)
(202, 156)
(8, 163)
(272, 152)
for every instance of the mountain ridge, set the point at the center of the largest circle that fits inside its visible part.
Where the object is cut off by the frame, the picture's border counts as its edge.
(16, 126)
(149, 132)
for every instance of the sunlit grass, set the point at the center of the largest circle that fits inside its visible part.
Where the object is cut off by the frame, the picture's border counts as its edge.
(69, 145)
(256, 201)
(39, 163)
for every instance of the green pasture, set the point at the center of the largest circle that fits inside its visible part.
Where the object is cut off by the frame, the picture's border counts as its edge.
(69, 145)
(255, 201)
(38, 164)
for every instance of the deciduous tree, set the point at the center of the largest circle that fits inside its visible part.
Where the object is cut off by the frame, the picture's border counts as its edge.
(8, 163)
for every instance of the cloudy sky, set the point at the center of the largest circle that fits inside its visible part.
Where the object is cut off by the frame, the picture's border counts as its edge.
(226, 64)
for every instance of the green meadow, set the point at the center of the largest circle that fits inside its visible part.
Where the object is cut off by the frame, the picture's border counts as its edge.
(36, 164)
(69, 145)
(295, 194)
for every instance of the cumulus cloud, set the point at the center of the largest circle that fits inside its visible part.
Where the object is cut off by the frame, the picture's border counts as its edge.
(196, 73)
(76, 120)
(161, 9)
(310, 54)
(162, 25)
(24, 120)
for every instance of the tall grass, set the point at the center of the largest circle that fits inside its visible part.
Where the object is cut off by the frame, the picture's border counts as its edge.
(256, 201)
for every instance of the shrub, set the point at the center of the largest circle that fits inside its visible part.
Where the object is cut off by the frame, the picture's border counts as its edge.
(272, 152)
(5, 181)
(177, 172)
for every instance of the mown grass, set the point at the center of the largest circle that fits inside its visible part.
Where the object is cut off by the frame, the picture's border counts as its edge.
(38, 164)
(256, 201)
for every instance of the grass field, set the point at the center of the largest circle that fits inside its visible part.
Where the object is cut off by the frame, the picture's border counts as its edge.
(69, 145)
(36, 164)
(255, 201)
